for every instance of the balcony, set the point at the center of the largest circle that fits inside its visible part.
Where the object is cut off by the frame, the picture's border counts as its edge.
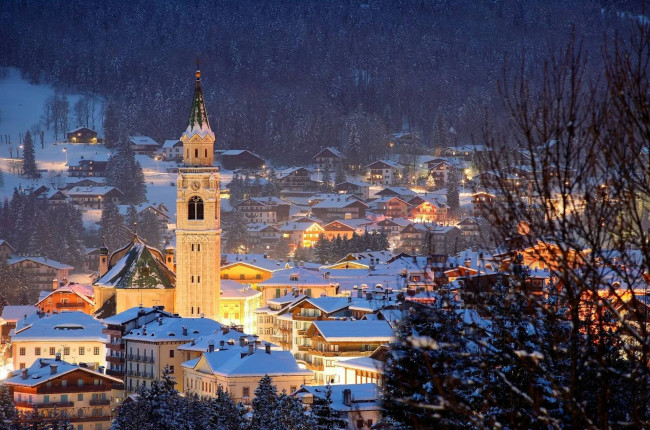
(115, 360)
(74, 389)
(89, 418)
(118, 373)
(100, 402)
(44, 405)
(314, 367)
(339, 353)
(69, 305)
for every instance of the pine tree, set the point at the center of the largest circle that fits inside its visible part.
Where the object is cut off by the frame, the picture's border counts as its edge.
(131, 216)
(29, 157)
(112, 130)
(111, 227)
(237, 237)
(440, 138)
(150, 230)
(290, 414)
(323, 249)
(281, 250)
(430, 184)
(125, 173)
(224, 413)
(265, 404)
(325, 417)
(8, 412)
(340, 174)
(326, 186)
(453, 199)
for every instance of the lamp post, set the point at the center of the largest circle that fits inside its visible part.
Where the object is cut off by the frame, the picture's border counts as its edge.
(65, 151)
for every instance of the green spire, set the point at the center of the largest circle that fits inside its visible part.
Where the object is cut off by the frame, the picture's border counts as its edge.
(198, 114)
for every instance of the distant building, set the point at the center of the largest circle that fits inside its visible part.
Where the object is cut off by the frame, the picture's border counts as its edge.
(173, 150)
(328, 157)
(143, 145)
(261, 237)
(359, 189)
(40, 273)
(72, 297)
(83, 135)
(339, 207)
(87, 167)
(264, 209)
(383, 172)
(296, 178)
(304, 234)
(237, 305)
(5, 250)
(233, 159)
(303, 281)
(86, 396)
(95, 197)
(390, 206)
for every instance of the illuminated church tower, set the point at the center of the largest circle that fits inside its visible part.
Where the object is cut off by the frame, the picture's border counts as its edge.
(198, 232)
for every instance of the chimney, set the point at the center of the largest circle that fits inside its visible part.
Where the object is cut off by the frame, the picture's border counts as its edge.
(58, 356)
(222, 343)
(211, 347)
(55, 284)
(225, 329)
(267, 348)
(159, 321)
(184, 331)
(53, 368)
(193, 342)
(102, 369)
(103, 260)
(359, 293)
(368, 295)
(242, 341)
(349, 299)
(250, 348)
(347, 397)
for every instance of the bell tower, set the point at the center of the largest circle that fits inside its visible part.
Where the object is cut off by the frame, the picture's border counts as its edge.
(198, 232)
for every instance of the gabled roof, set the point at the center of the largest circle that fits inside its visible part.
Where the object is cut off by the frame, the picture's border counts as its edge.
(171, 329)
(66, 325)
(363, 396)
(132, 314)
(295, 276)
(13, 313)
(82, 291)
(329, 151)
(40, 260)
(230, 363)
(340, 201)
(92, 191)
(172, 143)
(143, 141)
(383, 164)
(352, 331)
(39, 373)
(4, 242)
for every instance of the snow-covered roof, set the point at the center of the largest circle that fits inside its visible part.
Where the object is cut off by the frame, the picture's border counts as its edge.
(143, 141)
(171, 330)
(256, 260)
(85, 292)
(131, 314)
(230, 363)
(40, 372)
(40, 260)
(388, 163)
(334, 152)
(363, 396)
(362, 363)
(91, 191)
(295, 276)
(234, 290)
(349, 331)
(340, 201)
(65, 325)
(229, 336)
(13, 313)
(297, 226)
(171, 143)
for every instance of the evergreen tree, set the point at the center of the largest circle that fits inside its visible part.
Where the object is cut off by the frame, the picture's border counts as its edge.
(430, 183)
(323, 249)
(290, 414)
(112, 130)
(8, 412)
(125, 173)
(131, 216)
(237, 237)
(224, 413)
(265, 404)
(150, 230)
(340, 174)
(236, 190)
(301, 254)
(281, 250)
(29, 157)
(111, 227)
(439, 138)
(324, 416)
(453, 199)
(354, 146)
(326, 185)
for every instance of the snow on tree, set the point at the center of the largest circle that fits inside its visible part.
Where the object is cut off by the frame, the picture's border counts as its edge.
(150, 230)
(29, 157)
(453, 199)
(111, 227)
(324, 416)
(224, 413)
(8, 412)
(125, 173)
(290, 414)
(265, 404)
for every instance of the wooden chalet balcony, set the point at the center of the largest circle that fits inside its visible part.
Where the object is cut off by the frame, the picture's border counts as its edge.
(304, 348)
(339, 353)
(100, 402)
(115, 360)
(315, 367)
(118, 373)
(78, 388)
(69, 305)
(89, 419)
(44, 405)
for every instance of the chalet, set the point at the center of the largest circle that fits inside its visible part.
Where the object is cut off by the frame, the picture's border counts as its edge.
(5, 250)
(95, 197)
(333, 341)
(330, 157)
(86, 396)
(296, 178)
(392, 227)
(383, 172)
(357, 188)
(365, 370)
(483, 204)
(338, 228)
(249, 269)
(71, 297)
(143, 145)
(440, 172)
(88, 183)
(471, 227)
(264, 209)
(302, 281)
(340, 207)
(41, 273)
(172, 149)
(401, 192)
(11, 314)
(233, 159)
(268, 328)
(56, 198)
(412, 237)
(87, 167)
(82, 135)
(304, 234)
(448, 240)
(261, 237)
(467, 152)
(390, 206)
(430, 210)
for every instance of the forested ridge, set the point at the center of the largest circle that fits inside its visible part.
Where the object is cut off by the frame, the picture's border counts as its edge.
(297, 74)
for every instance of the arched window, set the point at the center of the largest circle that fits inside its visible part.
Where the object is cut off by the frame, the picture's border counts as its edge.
(195, 208)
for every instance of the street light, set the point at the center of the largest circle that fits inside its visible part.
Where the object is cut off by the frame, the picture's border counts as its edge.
(65, 151)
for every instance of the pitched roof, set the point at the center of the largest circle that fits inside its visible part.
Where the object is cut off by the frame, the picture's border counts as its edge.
(362, 330)
(13, 313)
(40, 372)
(363, 396)
(198, 122)
(66, 325)
(143, 141)
(40, 260)
(229, 362)
(335, 152)
(131, 314)
(170, 329)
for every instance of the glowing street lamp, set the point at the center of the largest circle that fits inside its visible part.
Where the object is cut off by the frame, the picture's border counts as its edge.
(65, 151)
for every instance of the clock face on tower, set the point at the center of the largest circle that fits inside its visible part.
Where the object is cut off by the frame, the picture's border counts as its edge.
(196, 185)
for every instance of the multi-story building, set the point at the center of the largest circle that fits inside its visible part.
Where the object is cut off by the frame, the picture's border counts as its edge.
(117, 326)
(152, 347)
(430, 210)
(95, 197)
(357, 188)
(383, 172)
(390, 206)
(264, 209)
(303, 281)
(238, 303)
(339, 207)
(296, 178)
(330, 341)
(329, 157)
(86, 396)
(75, 335)
(71, 297)
(268, 326)
(304, 234)
(248, 269)
(41, 273)
(261, 237)
(412, 237)
(239, 372)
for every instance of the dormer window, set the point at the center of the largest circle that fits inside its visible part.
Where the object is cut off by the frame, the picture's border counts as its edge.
(195, 208)
(293, 277)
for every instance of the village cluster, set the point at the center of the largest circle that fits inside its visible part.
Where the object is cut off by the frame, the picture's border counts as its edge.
(215, 320)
